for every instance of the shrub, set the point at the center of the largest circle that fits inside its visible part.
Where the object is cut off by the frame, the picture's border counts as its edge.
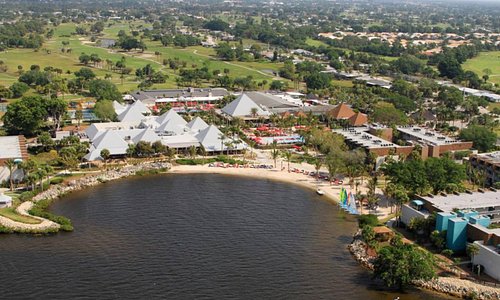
(56, 180)
(26, 196)
(39, 209)
(447, 252)
(370, 220)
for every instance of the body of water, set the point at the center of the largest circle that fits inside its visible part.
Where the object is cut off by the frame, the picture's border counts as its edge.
(192, 237)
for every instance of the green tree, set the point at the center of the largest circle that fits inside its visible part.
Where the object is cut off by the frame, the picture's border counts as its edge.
(275, 153)
(56, 109)
(105, 154)
(11, 166)
(318, 81)
(25, 116)
(400, 264)
(18, 89)
(78, 117)
(46, 140)
(287, 155)
(482, 138)
(105, 111)
(104, 90)
(472, 250)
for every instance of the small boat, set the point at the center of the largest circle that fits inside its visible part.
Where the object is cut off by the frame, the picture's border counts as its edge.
(320, 192)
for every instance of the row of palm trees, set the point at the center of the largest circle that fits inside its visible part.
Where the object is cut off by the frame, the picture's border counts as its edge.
(33, 173)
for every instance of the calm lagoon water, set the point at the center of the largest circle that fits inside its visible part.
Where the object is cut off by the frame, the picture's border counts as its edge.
(192, 237)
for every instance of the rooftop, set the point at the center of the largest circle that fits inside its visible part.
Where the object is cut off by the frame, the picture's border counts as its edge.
(465, 200)
(427, 136)
(10, 147)
(492, 157)
(361, 137)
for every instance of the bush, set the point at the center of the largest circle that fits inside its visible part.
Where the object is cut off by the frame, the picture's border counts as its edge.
(193, 162)
(39, 209)
(370, 220)
(447, 252)
(26, 196)
(56, 180)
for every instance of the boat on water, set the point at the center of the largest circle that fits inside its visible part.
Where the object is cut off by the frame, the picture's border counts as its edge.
(320, 192)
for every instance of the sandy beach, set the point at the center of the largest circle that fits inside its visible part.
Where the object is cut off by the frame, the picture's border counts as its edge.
(331, 191)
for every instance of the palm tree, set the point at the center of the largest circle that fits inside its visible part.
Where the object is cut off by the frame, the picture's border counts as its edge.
(472, 249)
(105, 155)
(48, 170)
(318, 163)
(203, 152)
(131, 150)
(222, 138)
(170, 154)
(11, 165)
(253, 112)
(228, 145)
(192, 151)
(78, 117)
(40, 173)
(288, 156)
(274, 152)
(31, 179)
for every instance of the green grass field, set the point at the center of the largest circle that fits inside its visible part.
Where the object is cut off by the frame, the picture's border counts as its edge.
(485, 60)
(51, 55)
(315, 43)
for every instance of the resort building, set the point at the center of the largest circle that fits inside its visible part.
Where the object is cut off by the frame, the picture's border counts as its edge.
(12, 147)
(345, 112)
(364, 137)
(489, 164)
(170, 129)
(179, 98)
(465, 218)
(244, 107)
(433, 143)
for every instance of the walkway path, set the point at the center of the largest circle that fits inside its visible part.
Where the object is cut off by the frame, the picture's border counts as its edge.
(23, 209)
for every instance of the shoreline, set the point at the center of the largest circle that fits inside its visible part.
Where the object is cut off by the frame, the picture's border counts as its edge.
(59, 190)
(301, 180)
(442, 285)
(331, 192)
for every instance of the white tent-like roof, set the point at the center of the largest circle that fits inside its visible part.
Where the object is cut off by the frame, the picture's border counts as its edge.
(242, 107)
(171, 115)
(212, 140)
(172, 128)
(131, 114)
(141, 107)
(108, 140)
(119, 108)
(180, 141)
(197, 124)
(146, 135)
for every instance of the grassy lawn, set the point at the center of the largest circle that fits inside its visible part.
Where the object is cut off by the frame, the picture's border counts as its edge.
(9, 212)
(51, 55)
(315, 43)
(485, 60)
(343, 83)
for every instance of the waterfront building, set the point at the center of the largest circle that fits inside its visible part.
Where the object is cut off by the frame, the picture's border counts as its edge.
(12, 147)
(433, 143)
(170, 129)
(489, 164)
(465, 218)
